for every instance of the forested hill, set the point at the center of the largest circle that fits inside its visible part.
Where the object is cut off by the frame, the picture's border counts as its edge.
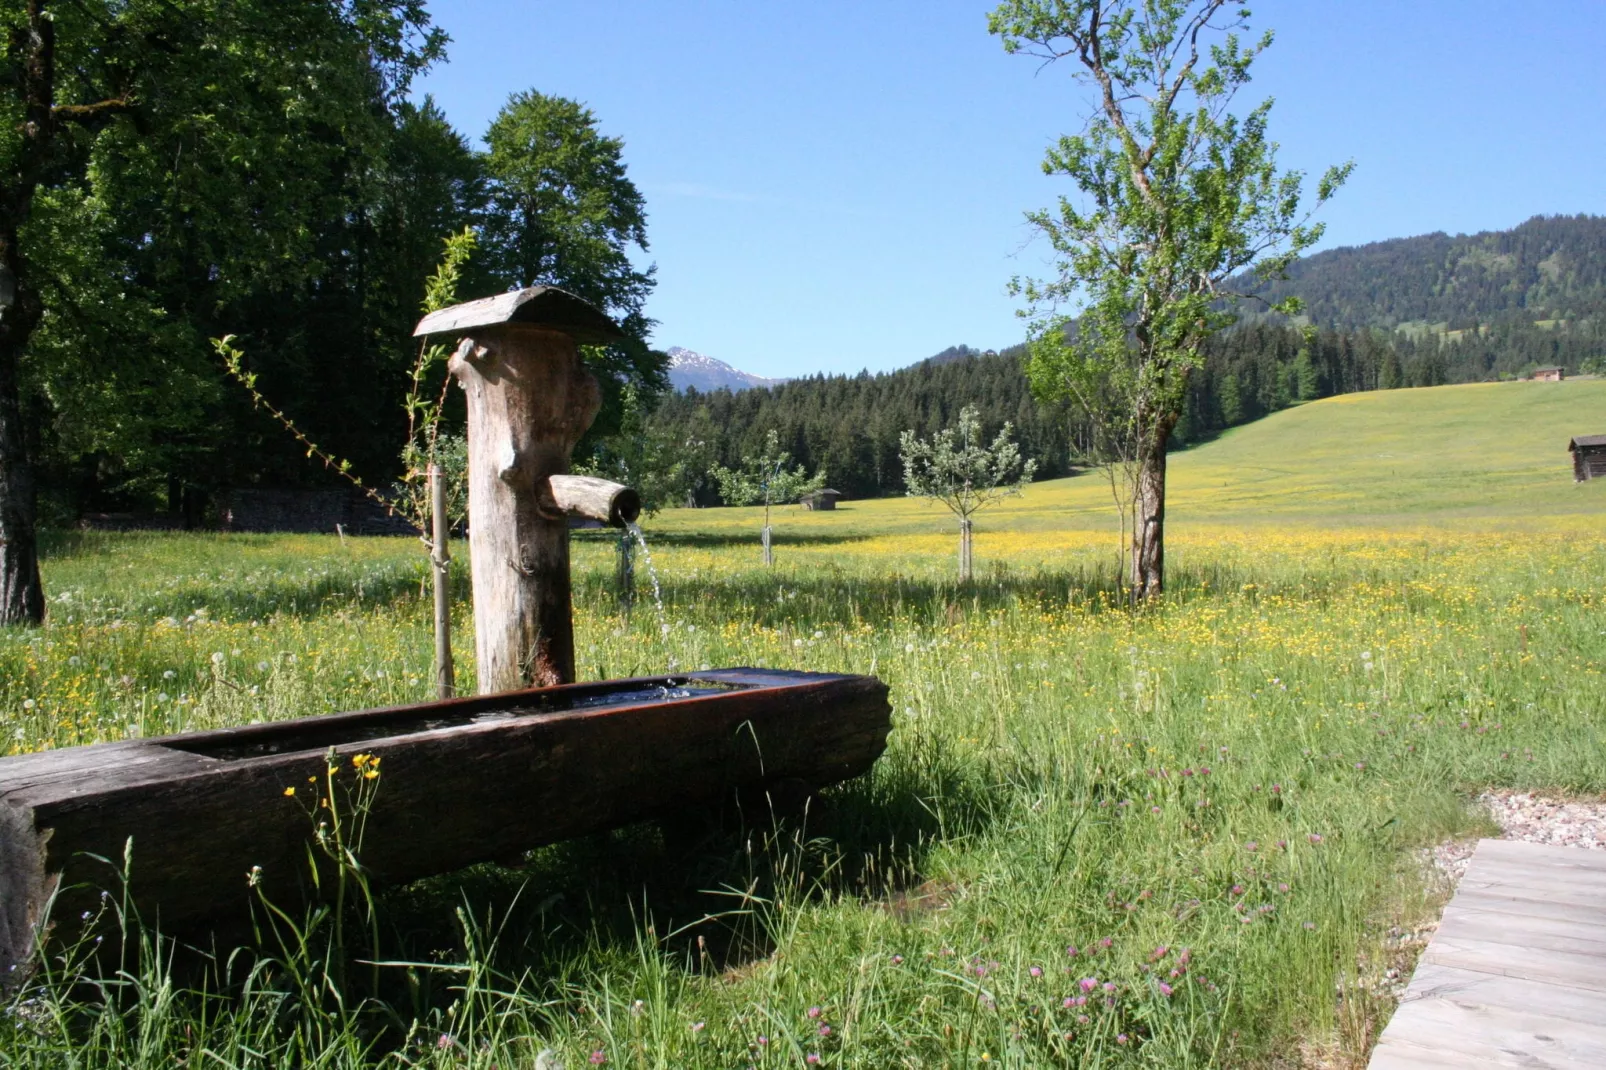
(1549, 269)
(1417, 311)
(850, 425)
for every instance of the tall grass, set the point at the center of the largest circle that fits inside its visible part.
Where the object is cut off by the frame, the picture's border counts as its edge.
(1172, 838)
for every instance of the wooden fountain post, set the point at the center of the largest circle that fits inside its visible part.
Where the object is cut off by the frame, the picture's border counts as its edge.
(530, 398)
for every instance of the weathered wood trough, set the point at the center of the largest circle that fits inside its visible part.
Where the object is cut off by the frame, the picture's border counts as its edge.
(464, 780)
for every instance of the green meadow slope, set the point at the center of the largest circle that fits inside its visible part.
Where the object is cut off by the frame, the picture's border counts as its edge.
(1490, 454)
(1480, 450)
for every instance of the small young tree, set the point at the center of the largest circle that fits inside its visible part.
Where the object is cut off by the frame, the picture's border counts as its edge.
(766, 479)
(956, 469)
(664, 468)
(433, 494)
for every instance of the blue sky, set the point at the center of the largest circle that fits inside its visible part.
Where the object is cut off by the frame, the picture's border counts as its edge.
(836, 186)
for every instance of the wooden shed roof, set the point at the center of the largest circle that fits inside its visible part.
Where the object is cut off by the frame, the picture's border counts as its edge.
(540, 306)
(1586, 440)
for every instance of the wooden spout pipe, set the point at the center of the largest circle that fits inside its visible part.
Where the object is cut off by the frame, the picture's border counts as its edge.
(595, 499)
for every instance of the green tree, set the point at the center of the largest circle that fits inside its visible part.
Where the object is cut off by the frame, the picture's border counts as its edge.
(1179, 196)
(957, 469)
(160, 161)
(1232, 400)
(563, 212)
(1307, 382)
(764, 478)
(663, 464)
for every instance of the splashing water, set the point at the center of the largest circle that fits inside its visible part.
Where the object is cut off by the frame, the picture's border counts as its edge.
(652, 574)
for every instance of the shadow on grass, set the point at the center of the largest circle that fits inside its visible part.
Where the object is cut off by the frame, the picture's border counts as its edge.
(827, 596)
(708, 896)
(824, 593)
(710, 540)
(254, 581)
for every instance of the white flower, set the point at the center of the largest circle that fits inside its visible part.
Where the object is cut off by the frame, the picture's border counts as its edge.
(169, 674)
(908, 648)
(262, 666)
(27, 703)
(819, 635)
(217, 657)
(797, 642)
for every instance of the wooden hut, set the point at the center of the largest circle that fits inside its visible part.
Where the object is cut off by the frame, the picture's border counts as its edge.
(1589, 457)
(822, 499)
(1549, 375)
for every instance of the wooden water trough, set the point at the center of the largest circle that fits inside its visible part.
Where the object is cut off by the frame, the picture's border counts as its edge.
(463, 781)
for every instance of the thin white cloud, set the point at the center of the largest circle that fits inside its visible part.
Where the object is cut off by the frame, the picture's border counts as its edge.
(704, 192)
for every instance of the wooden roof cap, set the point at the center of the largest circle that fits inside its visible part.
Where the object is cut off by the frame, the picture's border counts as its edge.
(1586, 440)
(539, 306)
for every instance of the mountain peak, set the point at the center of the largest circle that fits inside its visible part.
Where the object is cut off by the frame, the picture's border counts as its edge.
(689, 368)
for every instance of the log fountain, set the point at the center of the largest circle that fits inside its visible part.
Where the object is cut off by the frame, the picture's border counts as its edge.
(534, 759)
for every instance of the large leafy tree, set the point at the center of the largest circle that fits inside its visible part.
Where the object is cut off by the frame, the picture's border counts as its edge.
(170, 169)
(564, 212)
(1179, 196)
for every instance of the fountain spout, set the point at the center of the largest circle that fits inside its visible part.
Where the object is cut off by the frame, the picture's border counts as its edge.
(594, 499)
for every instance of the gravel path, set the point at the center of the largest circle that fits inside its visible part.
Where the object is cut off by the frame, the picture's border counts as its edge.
(1539, 820)
(1531, 819)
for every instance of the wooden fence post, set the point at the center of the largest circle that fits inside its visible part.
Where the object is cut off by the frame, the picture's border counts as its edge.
(440, 557)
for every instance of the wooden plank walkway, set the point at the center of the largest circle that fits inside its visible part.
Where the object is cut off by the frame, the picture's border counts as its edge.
(1516, 974)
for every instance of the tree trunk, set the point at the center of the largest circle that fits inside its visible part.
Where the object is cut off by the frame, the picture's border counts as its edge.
(964, 549)
(1148, 531)
(624, 572)
(22, 593)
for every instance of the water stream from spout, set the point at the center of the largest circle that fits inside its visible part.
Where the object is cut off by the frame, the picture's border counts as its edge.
(652, 574)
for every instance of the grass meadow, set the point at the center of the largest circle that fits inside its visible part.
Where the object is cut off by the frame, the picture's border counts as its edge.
(1179, 837)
